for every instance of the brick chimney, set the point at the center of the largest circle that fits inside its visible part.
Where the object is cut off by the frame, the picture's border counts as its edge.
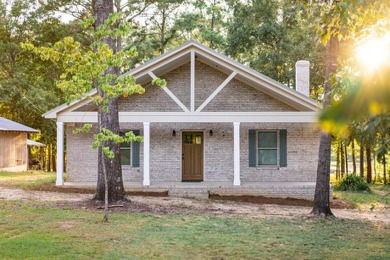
(302, 77)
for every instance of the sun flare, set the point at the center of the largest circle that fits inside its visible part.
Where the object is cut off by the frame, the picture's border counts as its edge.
(374, 53)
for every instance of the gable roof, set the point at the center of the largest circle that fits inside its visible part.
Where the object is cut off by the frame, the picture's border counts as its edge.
(177, 57)
(8, 125)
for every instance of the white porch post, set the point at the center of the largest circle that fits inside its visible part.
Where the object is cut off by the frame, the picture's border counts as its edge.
(60, 154)
(237, 181)
(192, 81)
(146, 181)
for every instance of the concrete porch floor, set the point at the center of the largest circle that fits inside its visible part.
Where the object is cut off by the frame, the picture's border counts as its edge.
(299, 190)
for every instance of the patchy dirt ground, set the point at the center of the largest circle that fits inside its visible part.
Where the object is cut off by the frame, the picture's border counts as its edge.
(249, 207)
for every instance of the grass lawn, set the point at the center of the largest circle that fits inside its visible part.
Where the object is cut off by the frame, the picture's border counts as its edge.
(379, 197)
(27, 179)
(46, 230)
(38, 231)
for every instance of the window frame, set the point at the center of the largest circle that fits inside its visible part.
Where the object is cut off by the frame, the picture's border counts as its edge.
(276, 131)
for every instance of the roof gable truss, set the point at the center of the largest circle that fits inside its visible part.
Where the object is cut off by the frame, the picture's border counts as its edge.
(192, 50)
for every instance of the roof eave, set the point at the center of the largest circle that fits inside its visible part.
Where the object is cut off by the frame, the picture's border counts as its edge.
(19, 131)
(52, 114)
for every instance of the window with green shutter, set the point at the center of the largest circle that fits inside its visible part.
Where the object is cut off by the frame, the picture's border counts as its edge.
(283, 148)
(129, 152)
(252, 147)
(267, 148)
(125, 152)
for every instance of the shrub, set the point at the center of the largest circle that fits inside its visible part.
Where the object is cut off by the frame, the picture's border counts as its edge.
(352, 183)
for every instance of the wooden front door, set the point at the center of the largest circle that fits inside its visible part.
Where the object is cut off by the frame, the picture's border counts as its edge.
(192, 156)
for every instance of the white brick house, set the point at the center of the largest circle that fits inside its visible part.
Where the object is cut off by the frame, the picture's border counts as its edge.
(217, 125)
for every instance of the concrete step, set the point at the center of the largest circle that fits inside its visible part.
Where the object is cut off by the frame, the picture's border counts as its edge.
(197, 193)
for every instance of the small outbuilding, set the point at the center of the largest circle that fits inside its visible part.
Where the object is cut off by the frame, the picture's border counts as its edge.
(14, 145)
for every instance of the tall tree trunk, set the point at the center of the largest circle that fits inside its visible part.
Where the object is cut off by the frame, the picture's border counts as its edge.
(375, 175)
(322, 192)
(105, 216)
(353, 157)
(338, 161)
(384, 170)
(108, 120)
(29, 158)
(346, 159)
(49, 159)
(100, 187)
(212, 24)
(361, 162)
(54, 158)
(369, 168)
(43, 157)
(162, 36)
(342, 159)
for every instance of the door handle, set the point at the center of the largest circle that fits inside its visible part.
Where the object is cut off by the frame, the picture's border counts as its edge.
(182, 156)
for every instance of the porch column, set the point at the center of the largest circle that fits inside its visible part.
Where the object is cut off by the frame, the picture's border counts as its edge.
(60, 154)
(146, 181)
(236, 181)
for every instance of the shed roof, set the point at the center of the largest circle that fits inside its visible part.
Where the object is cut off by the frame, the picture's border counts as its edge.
(35, 143)
(9, 125)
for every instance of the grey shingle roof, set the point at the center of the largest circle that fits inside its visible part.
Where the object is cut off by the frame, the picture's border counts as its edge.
(8, 125)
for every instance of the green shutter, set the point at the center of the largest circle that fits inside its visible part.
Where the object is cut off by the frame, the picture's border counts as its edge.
(135, 151)
(283, 147)
(252, 147)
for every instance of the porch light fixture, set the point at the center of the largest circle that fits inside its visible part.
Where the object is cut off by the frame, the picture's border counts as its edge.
(211, 133)
(174, 133)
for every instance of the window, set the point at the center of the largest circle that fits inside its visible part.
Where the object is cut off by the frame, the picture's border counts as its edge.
(125, 153)
(130, 151)
(190, 138)
(267, 148)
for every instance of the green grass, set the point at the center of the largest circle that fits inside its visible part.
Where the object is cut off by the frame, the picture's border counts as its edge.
(31, 230)
(379, 197)
(27, 179)
(41, 230)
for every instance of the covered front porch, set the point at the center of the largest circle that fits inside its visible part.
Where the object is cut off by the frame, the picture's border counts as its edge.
(179, 123)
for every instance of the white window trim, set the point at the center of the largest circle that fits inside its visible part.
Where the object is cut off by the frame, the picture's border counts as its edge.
(277, 165)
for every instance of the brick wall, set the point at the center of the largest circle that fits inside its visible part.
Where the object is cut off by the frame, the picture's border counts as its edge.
(234, 97)
(81, 163)
(81, 159)
(154, 99)
(207, 80)
(165, 154)
(238, 97)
